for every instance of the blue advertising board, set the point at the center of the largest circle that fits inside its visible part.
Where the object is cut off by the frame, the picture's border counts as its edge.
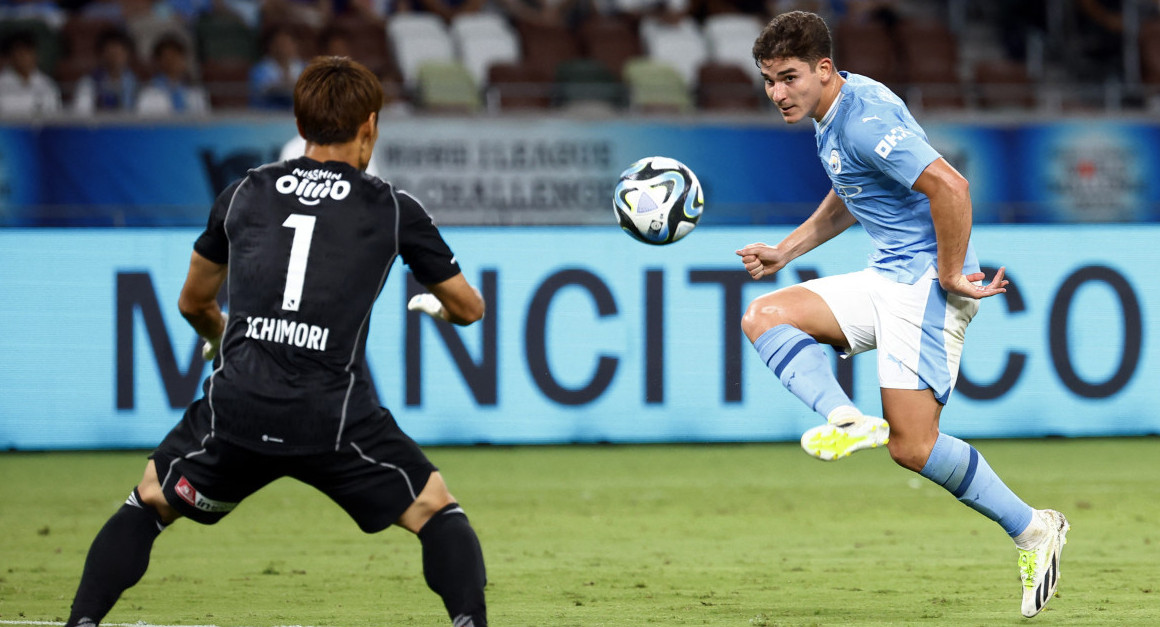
(590, 337)
(559, 171)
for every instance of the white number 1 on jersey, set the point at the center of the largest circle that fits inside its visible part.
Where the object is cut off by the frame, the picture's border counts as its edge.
(299, 250)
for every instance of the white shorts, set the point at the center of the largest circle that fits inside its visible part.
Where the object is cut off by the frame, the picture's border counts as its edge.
(918, 329)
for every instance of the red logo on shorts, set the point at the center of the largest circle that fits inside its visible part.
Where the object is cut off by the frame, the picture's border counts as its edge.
(186, 491)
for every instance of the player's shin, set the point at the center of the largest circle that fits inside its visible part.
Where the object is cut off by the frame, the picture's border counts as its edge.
(453, 566)
(803, 368)
(117, 560)
(962, 471)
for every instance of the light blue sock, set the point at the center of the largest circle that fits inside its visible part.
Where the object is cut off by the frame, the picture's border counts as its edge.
(958, 467)
(802, 366)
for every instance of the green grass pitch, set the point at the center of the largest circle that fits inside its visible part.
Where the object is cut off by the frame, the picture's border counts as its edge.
(618, 536)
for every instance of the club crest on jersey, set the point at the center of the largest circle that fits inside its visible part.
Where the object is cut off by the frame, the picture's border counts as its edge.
(311, 186)
(189, 494)
(835, 162)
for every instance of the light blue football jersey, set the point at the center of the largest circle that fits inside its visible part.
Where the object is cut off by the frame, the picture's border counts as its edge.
(874, 151)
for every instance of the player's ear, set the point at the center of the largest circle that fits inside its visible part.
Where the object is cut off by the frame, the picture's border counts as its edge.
(825, 68)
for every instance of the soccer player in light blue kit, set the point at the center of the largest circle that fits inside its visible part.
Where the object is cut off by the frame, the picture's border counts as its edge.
(913, 303)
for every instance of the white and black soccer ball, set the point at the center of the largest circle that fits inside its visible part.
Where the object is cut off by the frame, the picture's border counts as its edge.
(658, 200)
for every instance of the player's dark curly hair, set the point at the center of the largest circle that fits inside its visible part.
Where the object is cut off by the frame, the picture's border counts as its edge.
(333, 97)
(794, 35)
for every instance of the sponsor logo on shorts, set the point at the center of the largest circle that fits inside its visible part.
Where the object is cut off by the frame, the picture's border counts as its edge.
(190, 495)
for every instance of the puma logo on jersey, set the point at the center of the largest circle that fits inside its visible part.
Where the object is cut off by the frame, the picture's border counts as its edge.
(311, 186)
(871, 117)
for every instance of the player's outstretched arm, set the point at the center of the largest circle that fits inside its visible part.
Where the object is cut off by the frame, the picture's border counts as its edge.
(198, 302)
(950, 209)
(454, 300)
(828, 220)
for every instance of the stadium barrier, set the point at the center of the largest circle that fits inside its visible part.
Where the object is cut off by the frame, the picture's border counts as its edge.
(517, 171)
(590, 337)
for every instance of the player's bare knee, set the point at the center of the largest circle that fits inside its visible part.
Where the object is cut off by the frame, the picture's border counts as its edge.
(763, 313)
(153, 496)
(907, 454)
(434, 497)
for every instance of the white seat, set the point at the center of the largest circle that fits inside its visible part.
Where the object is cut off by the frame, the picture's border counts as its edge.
(478, 54)
(484, 39)
(475, 25)
(416, 26)
(681, 45)
(729, 39)
(411, 54)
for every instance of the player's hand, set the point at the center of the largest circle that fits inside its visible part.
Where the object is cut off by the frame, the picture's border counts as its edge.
(965, 285)
(209, 350)
(428, 304)
(762, 260)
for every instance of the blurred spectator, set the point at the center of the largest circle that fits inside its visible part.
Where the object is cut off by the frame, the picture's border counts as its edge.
(316, 13)
(272, 79)
(171, 89)
(24, 89)
(113, 85)
(51, 13)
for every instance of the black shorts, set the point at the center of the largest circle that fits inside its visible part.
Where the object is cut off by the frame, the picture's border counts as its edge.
(375, 475)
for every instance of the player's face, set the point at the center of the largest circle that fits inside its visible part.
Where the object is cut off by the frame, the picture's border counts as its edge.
(794, 87)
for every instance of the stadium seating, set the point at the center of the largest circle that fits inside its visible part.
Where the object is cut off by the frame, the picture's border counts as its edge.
(227, 83)
(220, 36)
(483, 39)
(729, 39)
(419, 38)
(867, 49)
(548, 46)
(1003, 84)
(726, 87)
(447, 87)
(1150, 52)
(368, 45)
(519, 86)
(929, 50)
(610, 39)
(679, 44)
(587, 84)
(654, 86)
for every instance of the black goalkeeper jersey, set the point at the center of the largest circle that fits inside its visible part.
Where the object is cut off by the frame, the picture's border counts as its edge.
(309, 246)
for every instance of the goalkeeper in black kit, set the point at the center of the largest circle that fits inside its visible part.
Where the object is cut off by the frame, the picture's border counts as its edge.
(304, 246)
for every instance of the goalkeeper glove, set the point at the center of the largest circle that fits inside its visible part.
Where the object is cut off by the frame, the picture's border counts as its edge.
(428, 304)
(209, 350)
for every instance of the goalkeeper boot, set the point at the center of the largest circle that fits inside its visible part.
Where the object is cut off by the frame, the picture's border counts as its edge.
(1039, 565)
(845, 434)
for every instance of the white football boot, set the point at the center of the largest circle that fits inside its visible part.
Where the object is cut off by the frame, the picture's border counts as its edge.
(1039, 565)
(845, 434)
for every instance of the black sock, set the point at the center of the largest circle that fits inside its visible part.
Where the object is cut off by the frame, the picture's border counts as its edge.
(453, 566)
(117, 560)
